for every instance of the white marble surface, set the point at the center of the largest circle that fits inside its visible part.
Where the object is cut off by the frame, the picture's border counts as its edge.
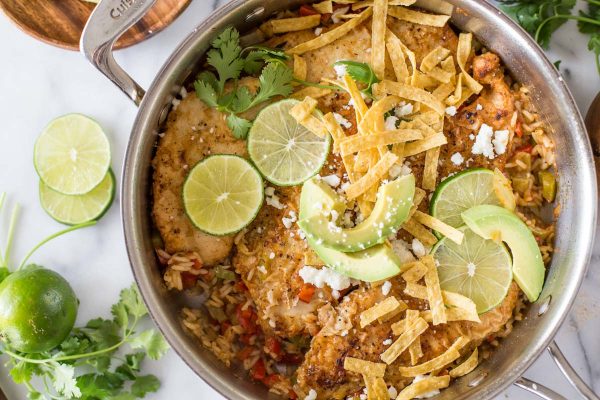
(39, 82)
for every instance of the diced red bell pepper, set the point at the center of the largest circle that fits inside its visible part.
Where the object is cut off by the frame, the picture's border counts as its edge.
(306, 10)
(245, 353)
(271, 380)
(258, 370)
(526, 148)
(247, 319)
(306, 292)
(291, 358)
(188, 280)
(519, 129)
(240, 286)
(273, 347)
(224, 326)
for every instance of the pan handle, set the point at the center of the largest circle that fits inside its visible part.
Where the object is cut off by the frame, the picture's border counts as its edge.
(109, 20)
(574, 379)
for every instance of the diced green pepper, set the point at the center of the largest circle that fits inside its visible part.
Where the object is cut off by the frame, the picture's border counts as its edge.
(520, 183)
(548, 182)
(225, 274)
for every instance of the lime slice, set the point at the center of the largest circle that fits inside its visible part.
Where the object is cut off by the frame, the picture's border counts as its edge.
(461, 192)
(72, 155)
(284, 151)
(479, 268)
(222, 194)
(77, 209)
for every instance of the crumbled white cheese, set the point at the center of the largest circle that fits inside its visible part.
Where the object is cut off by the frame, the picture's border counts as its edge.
(335, 17)
(483, 142)
(390, 123)
(342, 121)
(478, 107)
(472, 137)
(262, 269)
(403, 110)
(289, 221)
(324, 276)
(273, 201)
(269, 191)
(318, 31)
(363, 396)
(272, 255)
(347, 222)
(183, 92)
(386, 287)
(401, 249)
(451, 111)
(340, 70)
(427, 395)
(312, 395)
(393, 392)
(334, 215)
(399, 170)
(387, 342)
(332, 180)
(336, 294)
(418, 248)
(500, 141)
(457, 159)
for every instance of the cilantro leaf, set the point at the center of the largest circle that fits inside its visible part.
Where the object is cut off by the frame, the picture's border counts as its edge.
(225, 56)
(63, 380)
(242, 100)
(540, 18)
(239, 126)
(275, 80)
(22, 372)
(594, 46)
(360, 72)
(151, 342)
(145, 384)
(206, 93)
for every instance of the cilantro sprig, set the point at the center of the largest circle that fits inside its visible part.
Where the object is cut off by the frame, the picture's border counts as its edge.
(541, 18)
(360, 72)
(228, 61)
(88, 364)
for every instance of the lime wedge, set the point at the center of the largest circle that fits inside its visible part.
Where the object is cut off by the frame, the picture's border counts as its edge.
(72, 155)
(284, 151)
(222, 194)
(461, 192)
(77, 209)
(479, 269)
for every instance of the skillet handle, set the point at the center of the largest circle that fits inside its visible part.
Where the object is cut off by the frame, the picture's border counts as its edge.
(109, 20)
(574, 379)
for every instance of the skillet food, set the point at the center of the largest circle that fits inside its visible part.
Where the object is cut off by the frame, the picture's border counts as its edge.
(356, 200)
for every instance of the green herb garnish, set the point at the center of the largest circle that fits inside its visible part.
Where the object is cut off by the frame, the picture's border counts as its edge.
(360, 72)
(541, 18)
(229, 60)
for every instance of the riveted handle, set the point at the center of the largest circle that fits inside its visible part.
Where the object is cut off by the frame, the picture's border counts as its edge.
(574, 379)
(109, 20)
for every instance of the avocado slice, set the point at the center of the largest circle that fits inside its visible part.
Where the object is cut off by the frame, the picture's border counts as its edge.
(374, 264)
(500, 224)
(394, 200)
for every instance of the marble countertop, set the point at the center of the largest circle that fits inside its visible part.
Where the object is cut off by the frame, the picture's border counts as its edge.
(39, 82)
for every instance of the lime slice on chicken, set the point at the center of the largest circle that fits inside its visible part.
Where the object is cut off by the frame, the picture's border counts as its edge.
(285, 152)
(222, 194)
(479, 269)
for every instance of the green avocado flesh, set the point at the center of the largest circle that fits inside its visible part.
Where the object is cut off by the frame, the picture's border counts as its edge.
(500, 224)
(374, 264)
(394, 200)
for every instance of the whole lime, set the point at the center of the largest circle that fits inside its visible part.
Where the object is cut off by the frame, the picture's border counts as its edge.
(37, 309)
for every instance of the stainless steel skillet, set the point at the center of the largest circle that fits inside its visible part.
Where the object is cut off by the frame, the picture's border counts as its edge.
(577, 190)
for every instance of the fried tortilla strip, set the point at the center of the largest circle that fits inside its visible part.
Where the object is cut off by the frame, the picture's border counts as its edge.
(378, 29)
(336, 131)
(376, 388)
(434, 58)
(434, 292)
(302, 113)
(295, 24)
(379, 310)
(360, 106)
(420, 232)
(417, 17)
(430, 171)
(462, 55)
(443, 91)
(415, 271)
(398, 52)
(324, 7)
(300, 69)
(332, 35)
(367, 368)
(369, 3)
(409, 93)
(416, 328)
(438, 362)
(353, 144)
(374, 175)
(310, 91)
(424, 386)
(430, 142)
(467, 366)
(416, 351)
(431, 222)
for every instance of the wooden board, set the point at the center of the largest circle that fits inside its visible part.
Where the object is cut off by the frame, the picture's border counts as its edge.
(60, 22)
